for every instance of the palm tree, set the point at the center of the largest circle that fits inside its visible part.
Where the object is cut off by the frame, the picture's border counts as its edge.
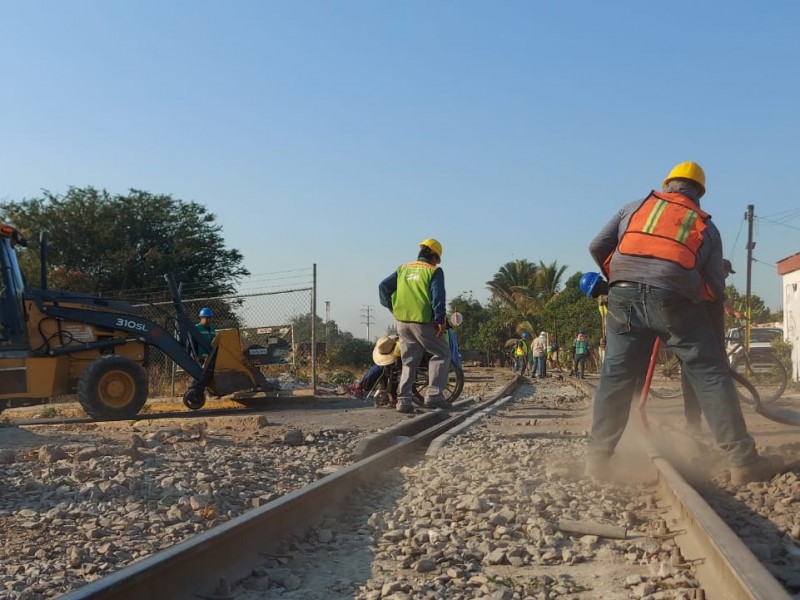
(549, 280)
(512, 278)
(514, 288)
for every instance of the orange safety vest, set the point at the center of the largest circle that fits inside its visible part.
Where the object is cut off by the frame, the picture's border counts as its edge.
(666, 226)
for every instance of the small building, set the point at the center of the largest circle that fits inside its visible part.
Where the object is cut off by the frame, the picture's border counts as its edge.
(789, 270)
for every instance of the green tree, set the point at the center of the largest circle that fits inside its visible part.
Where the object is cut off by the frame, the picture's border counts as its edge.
(123, 244)
(474, 314)
(514, 291)
(354, 352)
(511, 278)
(493, 332)
(523, 290)
(570, 311)
(759, 311)
(549, 280)
(302, 330)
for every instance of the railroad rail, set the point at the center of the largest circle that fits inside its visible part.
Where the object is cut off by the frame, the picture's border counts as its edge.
(725, 567)
(227, 551)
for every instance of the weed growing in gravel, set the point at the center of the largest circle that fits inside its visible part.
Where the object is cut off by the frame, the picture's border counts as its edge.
(783, 350)
(341, 377)
(49, 412)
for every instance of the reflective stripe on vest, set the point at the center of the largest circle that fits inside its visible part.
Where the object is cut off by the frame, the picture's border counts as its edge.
(411, 301)
(666, 226)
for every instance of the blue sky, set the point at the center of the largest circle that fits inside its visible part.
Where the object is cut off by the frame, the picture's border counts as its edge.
(343, 133)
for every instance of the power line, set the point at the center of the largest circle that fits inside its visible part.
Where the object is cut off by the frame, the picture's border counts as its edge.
(783, 216)
(736, 241)
(764, 263)
(778, 224)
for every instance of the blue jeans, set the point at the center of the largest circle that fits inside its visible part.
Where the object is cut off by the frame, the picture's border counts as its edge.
(538, 366)
(635, 317)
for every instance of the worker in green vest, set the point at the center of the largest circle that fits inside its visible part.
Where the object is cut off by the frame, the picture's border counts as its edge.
(415, 295)
(207, 330)
(580, 352)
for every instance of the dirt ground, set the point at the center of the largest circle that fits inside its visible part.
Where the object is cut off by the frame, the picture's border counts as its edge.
(300, 410)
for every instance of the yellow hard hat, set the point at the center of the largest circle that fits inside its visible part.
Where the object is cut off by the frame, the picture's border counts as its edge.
(434, 246)
(687, 170)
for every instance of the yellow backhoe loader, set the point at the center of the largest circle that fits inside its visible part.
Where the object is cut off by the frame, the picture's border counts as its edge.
(57, 342)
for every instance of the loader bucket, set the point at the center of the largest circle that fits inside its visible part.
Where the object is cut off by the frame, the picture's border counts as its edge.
(232, 373)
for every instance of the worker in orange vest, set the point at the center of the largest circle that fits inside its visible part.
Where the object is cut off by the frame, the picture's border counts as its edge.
(662, 257)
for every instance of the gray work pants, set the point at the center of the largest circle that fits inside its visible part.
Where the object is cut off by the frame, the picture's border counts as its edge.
(415, 340)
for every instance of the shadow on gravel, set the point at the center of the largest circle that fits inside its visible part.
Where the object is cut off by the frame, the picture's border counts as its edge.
(15, 436)
(546, 435)
(772, 546)
(520, 416)
(744, 508)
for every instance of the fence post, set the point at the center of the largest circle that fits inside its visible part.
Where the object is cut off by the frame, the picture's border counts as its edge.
(314, 331)
(174, 367)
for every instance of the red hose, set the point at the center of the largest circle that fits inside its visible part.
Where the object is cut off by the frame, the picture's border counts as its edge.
(646, 388)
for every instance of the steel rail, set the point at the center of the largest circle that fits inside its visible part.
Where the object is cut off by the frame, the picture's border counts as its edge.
(194, 567)
(729, 570)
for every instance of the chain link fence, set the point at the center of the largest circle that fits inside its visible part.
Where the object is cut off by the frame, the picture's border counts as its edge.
(264, 319)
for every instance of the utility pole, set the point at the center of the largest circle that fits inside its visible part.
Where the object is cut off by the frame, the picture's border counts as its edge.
(367, 318)
(327, 323)
(750, 245)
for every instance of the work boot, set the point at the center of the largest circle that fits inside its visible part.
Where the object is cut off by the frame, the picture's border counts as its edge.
(598, 468)
(404, 406)
(434, 403)
(763, 468)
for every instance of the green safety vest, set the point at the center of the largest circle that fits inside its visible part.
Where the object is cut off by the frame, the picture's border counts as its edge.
(207, 332)
(411, 301)
(581, 346)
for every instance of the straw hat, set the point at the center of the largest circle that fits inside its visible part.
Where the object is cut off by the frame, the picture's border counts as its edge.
(386, 351)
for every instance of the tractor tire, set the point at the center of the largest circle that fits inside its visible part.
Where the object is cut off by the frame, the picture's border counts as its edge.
(194, 399)
(112, 387)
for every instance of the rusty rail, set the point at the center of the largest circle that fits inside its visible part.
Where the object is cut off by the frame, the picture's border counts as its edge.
(194, 567)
